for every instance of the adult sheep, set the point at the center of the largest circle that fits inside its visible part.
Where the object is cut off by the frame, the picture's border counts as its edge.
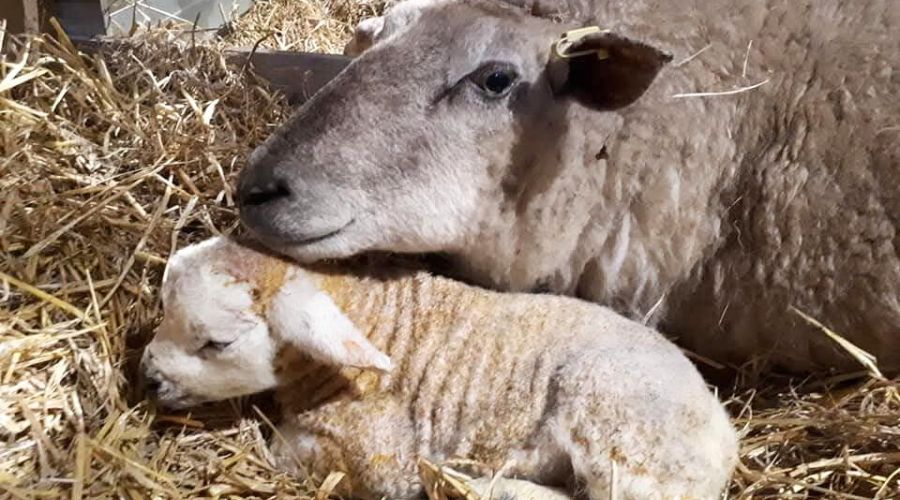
(458, 131)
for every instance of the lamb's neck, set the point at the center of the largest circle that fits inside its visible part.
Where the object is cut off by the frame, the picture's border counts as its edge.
(370, 302)
(390, 309)
(393, 313)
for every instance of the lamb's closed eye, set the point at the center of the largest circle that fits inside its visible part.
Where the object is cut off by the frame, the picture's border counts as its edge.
(240, 327)
(215, 346)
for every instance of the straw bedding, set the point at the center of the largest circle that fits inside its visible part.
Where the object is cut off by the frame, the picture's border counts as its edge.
(109, 162)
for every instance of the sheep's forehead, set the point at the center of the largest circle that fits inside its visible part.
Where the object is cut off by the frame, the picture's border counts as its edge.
(481, 31)
(221, 278)
(264, 277)
(210, 299)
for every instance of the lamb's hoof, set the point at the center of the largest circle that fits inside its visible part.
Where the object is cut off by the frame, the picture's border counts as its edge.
(515, 489)
(444, 483)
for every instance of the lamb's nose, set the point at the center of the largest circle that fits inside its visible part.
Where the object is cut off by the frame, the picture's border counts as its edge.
(148, 378)
(152, 385)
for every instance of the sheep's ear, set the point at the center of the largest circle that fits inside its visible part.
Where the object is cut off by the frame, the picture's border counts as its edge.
(364, 36)
(603, 70)
(312, 322)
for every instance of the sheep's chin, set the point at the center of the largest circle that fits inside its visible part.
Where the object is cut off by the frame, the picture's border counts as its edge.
(173, 398)
(182, 403)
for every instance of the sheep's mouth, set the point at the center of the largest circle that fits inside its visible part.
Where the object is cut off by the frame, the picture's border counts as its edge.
(172, 398)
(320, 237)
(181, 402)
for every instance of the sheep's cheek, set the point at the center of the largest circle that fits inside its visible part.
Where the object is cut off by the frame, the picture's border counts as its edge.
(182, 369)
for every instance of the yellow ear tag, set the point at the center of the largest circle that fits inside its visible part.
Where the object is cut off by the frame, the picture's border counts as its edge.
(562, 46)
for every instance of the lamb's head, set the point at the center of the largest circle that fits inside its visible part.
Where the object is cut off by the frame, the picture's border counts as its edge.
(228, 312)
(433, 129)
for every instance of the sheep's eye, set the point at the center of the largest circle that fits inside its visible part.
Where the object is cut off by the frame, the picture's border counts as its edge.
(214, 346)
(495, 80)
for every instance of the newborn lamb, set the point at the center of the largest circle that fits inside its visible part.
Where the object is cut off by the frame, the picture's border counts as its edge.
(376, 369)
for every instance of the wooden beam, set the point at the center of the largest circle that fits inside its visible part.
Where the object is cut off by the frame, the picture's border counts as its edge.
(81, 18)
(298, 75)
(24, 16)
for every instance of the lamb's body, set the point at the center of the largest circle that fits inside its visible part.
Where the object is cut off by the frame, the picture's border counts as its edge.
(554, 388)
(498, 377)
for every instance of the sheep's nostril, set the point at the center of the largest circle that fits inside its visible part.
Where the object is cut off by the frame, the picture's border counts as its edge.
(255, 196)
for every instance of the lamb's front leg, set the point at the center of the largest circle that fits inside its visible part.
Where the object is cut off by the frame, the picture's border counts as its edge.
(370, 440)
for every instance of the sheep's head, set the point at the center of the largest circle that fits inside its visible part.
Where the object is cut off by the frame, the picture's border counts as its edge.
(454, 115)
(228, 311)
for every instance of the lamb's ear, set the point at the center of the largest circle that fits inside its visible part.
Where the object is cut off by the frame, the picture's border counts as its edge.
(603, 70)
(312, 322)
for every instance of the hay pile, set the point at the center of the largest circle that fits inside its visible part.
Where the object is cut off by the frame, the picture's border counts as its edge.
(110, 162)
(302, 25)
